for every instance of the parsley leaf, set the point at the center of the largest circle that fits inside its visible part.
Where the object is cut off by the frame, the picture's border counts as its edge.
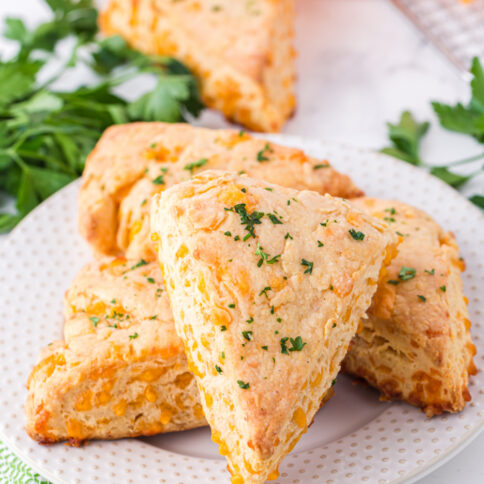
(297, 344)
(478, 200)
(356, 235)
(243, 385)
(405, 137)
(309, 266)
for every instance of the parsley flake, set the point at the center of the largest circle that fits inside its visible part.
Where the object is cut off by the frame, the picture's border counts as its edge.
(320, 244)
(407, 273)
(223, 328)
(141, 263)
(94, 320)
(264, 291)
(159, 180)
(242, 384)
(196, 164)
(422, 298)
(432, 272)
(219, 370)
(261, 155)
(309, 266)
(133, 336)
(443, 288)
(247, 335)
(356, 235)
(250, 320)
(321, 165)
(274, 219)
(247, 219)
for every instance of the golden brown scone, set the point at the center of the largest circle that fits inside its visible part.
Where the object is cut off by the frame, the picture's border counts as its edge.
(121, 371)
(415, 344)
(267, 287)
(242, 52)
(132, 162)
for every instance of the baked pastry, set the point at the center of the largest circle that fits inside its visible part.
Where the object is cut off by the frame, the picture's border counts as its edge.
(242, 52)
(121, 371)
(415, 344)
(267, 286)
(135, 161)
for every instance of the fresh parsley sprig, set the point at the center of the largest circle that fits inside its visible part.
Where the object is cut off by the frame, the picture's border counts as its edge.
(407, 134)
(45, 133)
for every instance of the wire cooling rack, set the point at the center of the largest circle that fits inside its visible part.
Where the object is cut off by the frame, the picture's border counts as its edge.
(455, 27)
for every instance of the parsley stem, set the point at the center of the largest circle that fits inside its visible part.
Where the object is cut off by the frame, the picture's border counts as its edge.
(465, 160)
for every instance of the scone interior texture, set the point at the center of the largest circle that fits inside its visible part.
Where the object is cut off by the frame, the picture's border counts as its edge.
(267, 286)
(121, 371)
(133, 162)
(416, 343)
(242, 52)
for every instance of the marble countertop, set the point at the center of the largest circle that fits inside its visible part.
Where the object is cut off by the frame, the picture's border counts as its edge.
(360, 64)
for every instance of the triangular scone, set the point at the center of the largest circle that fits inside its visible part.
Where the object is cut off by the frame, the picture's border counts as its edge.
(242, 52)
(415, 344)
(121, 371)
(132, 162)
(267, 287)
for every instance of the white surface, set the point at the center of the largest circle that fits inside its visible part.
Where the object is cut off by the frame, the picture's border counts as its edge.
(355, 438)
(360, 65)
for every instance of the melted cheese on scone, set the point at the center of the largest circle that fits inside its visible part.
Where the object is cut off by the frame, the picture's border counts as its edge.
(121, 371)
(132, 162)
(415, 344)
(267, 286)
(241, 51)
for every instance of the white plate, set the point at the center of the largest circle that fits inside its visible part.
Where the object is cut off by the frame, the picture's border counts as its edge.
(355, 438)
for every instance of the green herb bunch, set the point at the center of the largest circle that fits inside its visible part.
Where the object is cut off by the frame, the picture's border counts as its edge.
(408, 133)
(46, 134)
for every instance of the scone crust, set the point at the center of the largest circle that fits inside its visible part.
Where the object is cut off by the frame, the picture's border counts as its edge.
(243, 292)
(133, 162)
(242, 54)
(416, 343)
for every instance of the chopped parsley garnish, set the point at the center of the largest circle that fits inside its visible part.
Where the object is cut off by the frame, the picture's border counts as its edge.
(320, 165)
(274, 259)
(320, 244)
(150, 280)
(247, 335)
(195, 164)
(268, 189)
(261, 155)
(324, 223)
(250, 320)
(236, 238)
(356, 235)
(113, 301)
(288, 236)
(284, 345)
(407, 273)
(247, 219)
(443, 288)
(223, 328)
(231, 305)
(333, 382)
(143, 202)
(297, 344)
(264, 291)
(274, 219)
(265, 348)
(133, 336)
(393, 281)
(309, 266)
(391, 210)
(223, 355)
(159, 180)
(141, 263)
(389, 219)
(154, 316)
(94, 320)
(334, 325)
(263, 255)
(242, 384)
(219, 370)
(228, 234)
(432, 272)
(422, 298)
(400, 234)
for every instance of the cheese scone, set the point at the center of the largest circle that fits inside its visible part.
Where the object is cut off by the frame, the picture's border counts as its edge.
(242, 52)
(121, 371)
(132, 162)
(267, 286)
(415, 344)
